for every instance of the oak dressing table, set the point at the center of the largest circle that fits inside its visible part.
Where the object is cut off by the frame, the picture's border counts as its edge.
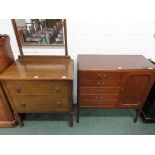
(40, 84)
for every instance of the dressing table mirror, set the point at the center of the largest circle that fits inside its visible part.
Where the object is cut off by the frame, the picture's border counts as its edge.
(40, 83)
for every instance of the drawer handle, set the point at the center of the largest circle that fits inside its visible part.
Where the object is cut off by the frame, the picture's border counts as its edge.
(23, 104)
(99, 76)
(59, 104)
(58, 90)
(97, 91)
(104, 75)
(98, 83)
(18, 90)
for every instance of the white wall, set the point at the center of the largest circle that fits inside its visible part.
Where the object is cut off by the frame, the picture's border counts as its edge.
(92, 36)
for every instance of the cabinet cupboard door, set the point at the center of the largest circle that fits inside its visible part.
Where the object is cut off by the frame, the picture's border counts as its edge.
(136, 89)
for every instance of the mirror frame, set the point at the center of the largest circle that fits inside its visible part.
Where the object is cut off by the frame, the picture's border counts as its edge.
(55, 45)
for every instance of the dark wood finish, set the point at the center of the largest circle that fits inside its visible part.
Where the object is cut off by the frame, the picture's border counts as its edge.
(100, 97)
(39, 84)
(113, 62)
(99, 75)
(114, 81)
(100, 90)
(106, 83)
(6, 58)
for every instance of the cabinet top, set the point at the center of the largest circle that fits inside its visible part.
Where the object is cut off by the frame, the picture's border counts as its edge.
(39, 69)
(113, 62)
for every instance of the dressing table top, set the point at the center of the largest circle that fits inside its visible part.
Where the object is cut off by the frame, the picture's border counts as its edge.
(40, 68)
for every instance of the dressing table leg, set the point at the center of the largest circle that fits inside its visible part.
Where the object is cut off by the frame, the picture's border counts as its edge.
(19, 120)
(70, 119)
(78, 114)
(138, 112)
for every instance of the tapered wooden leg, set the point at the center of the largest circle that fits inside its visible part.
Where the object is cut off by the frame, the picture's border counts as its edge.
(70, 119)
(19, 120)
(138, 112)
(78, 114)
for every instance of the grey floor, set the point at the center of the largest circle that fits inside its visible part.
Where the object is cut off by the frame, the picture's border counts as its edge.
(92, 122)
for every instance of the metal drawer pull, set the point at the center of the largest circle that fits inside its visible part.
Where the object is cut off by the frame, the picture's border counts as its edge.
(57, 89)
(59, 104)
(99, 76)
(18, 90)
(104, 75)
(97, 90)
(23, 104)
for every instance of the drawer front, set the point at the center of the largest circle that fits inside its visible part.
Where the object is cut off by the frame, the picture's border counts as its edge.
(30, 104)
(101, 90)
(37, 88)
(103, 83)
(107, 97)
(99, 75)
(98, 103)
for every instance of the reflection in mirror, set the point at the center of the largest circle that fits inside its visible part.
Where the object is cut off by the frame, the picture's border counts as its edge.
(40, 32)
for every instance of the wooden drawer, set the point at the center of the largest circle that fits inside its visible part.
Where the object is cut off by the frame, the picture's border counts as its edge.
(37, 88)
(100, 75)
(98, 103)
(104, 83)
(101, 90)
(107, 97)
(30, 104)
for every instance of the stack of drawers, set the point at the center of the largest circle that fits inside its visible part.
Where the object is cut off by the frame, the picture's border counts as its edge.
(39, 84)
(99, 88)
(32, 97)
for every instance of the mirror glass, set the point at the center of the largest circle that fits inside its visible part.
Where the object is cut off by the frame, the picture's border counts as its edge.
(40, 32)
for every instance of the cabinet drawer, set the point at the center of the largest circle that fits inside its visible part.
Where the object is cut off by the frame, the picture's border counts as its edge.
(100, 75)
(28, 104)
(107, 97)
(104, 83)
(101, 90)
(98, 103)
(37, 88)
